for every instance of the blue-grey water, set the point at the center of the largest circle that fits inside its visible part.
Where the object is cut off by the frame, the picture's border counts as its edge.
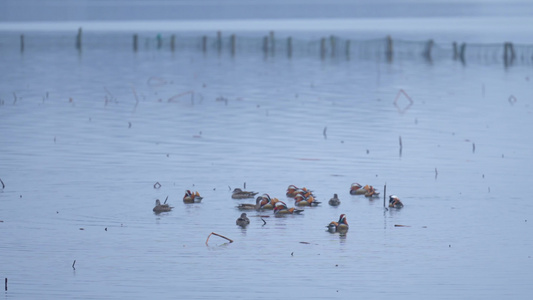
(86, 136)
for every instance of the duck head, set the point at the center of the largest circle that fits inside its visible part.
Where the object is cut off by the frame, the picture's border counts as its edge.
(342, 219)
(356, 186)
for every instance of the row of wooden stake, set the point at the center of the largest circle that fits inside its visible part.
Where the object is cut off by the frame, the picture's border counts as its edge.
(269, 46)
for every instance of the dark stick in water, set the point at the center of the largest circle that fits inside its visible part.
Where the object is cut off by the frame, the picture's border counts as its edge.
(230, 240)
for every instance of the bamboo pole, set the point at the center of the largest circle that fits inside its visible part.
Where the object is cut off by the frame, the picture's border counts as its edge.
(323, 48)
(204, 43)
(233, 45)
(219, 41)
(389, 52)
(272, 43)
(159, 41)
(172, 42)
(78, 40)
(265, 45)
(462, 52)
(289, 47)
(427, 52)
(348, 50)
(332, 41)
(384, 195)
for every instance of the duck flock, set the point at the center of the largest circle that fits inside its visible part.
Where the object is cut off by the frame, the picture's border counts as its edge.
(302, 197)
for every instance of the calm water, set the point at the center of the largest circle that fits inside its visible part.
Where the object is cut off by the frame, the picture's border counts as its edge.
(80, 152)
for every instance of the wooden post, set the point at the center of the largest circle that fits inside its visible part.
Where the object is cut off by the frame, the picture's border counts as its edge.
(265, 45)
(332, 43)
(289, 47)
(348, 50)
(323, 48)
(219, 41)
(159, 41)
(233, 45)
(384, 195)
(427, 51)
(389, 52)
(78, 40)
(204, 43)
(172, 42)
(21, 43)
(511, 48)
(272, 43)
(462, 52)
(508, 53)
(135, 40)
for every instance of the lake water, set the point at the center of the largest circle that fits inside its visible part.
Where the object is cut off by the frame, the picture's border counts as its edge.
(86, 136)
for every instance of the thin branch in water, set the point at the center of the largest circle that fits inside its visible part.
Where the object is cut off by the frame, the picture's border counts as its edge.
(264, 222)
(165, 200)
(73, 265)
(212, 233)
(324, 133)
(3, 185)
(436, 173)
(136, 98)
(175, 97)
(401, 146)
(157, 185)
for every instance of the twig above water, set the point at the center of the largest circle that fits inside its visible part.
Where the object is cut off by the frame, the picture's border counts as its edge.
(212, 233)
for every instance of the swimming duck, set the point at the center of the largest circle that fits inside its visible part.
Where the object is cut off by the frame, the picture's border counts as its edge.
(367, 190)
(291, 190)
(371, 192)
(357, 189)
(250, 206)
(305, 201)
(395, 202)
(243, 220)
(192, 197)
(341, 226)
(281, 208)
(240, 194)
(334, 201)
(161, 207)
(265, 202)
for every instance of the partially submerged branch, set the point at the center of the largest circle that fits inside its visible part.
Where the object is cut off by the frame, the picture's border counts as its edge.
(212, 233)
